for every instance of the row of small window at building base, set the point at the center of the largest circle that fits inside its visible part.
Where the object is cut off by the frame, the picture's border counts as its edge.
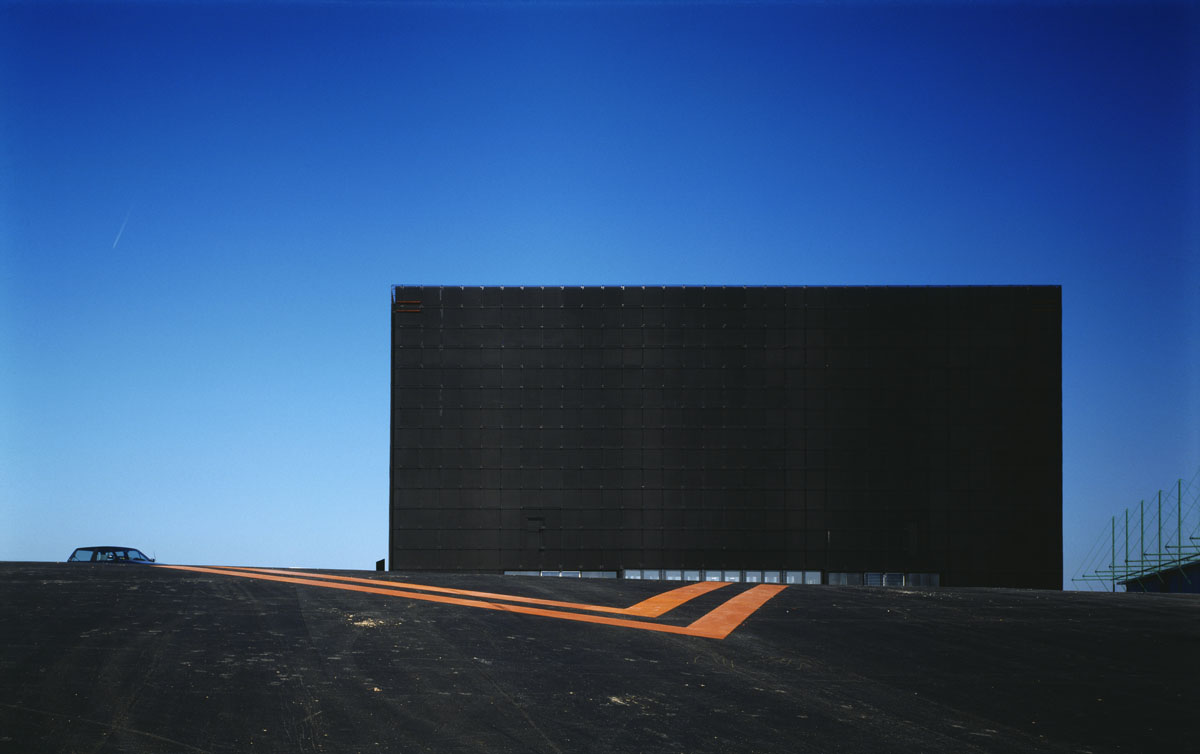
(832, 578)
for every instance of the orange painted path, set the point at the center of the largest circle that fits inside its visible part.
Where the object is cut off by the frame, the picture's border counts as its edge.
(716, 624)
(648, 608)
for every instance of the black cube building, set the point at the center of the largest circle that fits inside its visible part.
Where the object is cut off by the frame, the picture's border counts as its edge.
(850, 434)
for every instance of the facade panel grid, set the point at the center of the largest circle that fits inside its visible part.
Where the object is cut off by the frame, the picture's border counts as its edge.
(807, 429)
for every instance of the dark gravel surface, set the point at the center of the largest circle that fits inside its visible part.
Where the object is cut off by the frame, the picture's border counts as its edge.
(143, 659)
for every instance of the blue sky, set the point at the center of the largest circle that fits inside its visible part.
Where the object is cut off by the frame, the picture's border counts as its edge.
(203, 205)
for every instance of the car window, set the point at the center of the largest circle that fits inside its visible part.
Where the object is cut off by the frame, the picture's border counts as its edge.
(108, 555)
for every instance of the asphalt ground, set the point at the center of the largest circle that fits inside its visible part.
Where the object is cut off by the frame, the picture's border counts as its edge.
(121, 658)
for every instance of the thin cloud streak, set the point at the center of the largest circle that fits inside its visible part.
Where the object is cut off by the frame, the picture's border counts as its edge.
(123, 224)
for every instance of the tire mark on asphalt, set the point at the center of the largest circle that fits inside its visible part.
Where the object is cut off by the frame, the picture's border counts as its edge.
(106, 726)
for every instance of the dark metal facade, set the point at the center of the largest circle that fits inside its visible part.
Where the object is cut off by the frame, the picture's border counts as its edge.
(839, 429)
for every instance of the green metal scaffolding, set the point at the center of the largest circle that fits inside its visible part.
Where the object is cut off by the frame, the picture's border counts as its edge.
(1160, 535)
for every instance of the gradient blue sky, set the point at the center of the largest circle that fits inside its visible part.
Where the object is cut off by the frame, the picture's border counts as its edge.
(203, 205)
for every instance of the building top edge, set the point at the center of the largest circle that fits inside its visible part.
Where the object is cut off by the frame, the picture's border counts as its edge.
(747, 286)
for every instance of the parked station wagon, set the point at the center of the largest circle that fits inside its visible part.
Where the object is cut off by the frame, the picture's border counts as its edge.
(108, 554)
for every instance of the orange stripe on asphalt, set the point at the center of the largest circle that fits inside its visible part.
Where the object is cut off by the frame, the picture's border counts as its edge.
(717, 624)
(667, 601)
(648, 608)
